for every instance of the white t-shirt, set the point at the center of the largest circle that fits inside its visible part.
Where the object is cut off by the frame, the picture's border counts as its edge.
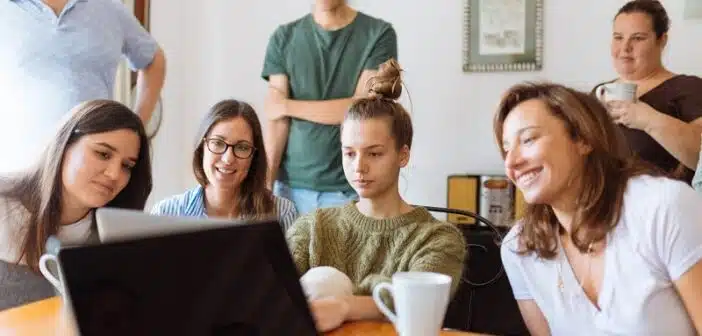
(13, 219)
(657, 239)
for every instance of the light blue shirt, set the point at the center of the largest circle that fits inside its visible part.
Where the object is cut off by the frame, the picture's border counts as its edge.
(192, 204)
(49, 63)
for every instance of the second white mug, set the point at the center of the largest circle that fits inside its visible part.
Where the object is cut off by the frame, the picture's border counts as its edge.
(616, 91)
(420, 300)
(44, 267)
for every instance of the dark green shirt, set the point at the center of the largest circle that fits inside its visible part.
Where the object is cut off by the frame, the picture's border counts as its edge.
(323, 65)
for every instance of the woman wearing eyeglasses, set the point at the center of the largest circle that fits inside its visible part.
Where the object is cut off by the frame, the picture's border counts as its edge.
(230, 166)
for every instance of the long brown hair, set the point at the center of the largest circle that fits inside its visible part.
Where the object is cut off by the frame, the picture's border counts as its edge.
(39, 189)
(607, 168)
(384, 90)
(255, 199)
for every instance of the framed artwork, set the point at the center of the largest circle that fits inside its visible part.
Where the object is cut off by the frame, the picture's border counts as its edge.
(693, 9)
(502, 35)
(463, 194)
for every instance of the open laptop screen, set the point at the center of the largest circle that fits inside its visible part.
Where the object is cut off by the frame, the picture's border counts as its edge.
(237, 280)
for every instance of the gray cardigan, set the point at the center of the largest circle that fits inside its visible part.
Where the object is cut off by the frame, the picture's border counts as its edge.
(19, 285)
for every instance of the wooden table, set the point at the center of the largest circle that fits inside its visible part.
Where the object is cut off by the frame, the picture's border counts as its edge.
(46, 318)
(38, 318)
(373, 328)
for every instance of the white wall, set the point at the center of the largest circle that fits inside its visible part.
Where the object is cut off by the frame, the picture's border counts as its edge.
(215, 50)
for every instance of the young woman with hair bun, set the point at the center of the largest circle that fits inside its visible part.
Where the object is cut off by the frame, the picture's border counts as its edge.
(380, 234)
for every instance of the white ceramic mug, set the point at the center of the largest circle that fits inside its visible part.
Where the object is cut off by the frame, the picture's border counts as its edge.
(616, 91)
(420, 300)
(54, 279)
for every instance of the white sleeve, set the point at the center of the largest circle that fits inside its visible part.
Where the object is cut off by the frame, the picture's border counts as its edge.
(697, 179)
(512, 265)
(172, 206)
(675, 233)
(286, 212)
(11, 219)
(158, 209)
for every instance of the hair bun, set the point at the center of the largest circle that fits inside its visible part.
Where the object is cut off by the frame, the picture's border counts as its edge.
(387, 83)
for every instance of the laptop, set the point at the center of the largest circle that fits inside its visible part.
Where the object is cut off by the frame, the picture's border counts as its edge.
(229, 280)
(115, 224)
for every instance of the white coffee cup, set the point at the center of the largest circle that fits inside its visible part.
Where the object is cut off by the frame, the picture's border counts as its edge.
(420, 299)
(616, 91)
(54, 279)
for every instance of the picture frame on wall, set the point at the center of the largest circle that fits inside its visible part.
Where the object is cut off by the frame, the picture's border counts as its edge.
(693, 10)
(502, 35)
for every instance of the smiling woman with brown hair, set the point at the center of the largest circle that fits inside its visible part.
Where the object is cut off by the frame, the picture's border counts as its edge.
(606, 244)
(99, 157)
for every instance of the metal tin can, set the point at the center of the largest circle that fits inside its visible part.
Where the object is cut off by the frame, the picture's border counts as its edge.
(497, 199)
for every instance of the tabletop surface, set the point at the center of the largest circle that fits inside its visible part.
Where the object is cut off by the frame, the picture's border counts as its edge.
(45, 318)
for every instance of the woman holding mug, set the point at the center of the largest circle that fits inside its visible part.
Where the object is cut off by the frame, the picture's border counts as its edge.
(663, 121)
(606, 245)
(229, 163)
(99, 157)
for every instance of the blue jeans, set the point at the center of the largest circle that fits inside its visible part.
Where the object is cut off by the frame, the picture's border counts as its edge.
(307, 200)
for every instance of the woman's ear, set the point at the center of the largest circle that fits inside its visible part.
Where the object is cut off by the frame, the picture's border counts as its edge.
(404, 156)
(663, 41)
(583, 148)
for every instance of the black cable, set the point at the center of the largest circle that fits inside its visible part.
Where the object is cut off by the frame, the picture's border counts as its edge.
(479, 219)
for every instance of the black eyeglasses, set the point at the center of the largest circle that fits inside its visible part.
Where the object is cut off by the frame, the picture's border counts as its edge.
(241, 149)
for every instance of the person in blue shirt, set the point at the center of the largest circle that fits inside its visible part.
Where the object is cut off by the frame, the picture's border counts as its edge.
(230, 165)
(56, 54)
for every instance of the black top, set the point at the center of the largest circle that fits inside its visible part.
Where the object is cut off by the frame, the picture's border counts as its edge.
(679, 97)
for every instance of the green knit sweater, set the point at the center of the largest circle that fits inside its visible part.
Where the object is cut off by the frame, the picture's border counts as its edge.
(370, 250)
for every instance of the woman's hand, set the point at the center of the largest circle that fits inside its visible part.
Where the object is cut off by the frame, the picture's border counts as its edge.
(638, 115)
(329, 312)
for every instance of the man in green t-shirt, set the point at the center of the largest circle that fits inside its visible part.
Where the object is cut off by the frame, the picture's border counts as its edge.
(315, 67)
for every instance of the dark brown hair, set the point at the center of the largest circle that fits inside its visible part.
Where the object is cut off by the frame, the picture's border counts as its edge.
(255, 199)
(40, 188)
(654, 9)
(607, 168)
(383, 91)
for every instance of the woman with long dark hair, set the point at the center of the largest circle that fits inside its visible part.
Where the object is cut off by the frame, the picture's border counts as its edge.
(98, 158)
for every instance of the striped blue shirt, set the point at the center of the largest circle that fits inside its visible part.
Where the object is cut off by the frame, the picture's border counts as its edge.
(192, 204)
(49, 63)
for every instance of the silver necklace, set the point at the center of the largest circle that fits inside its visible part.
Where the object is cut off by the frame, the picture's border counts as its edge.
(561, 286)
